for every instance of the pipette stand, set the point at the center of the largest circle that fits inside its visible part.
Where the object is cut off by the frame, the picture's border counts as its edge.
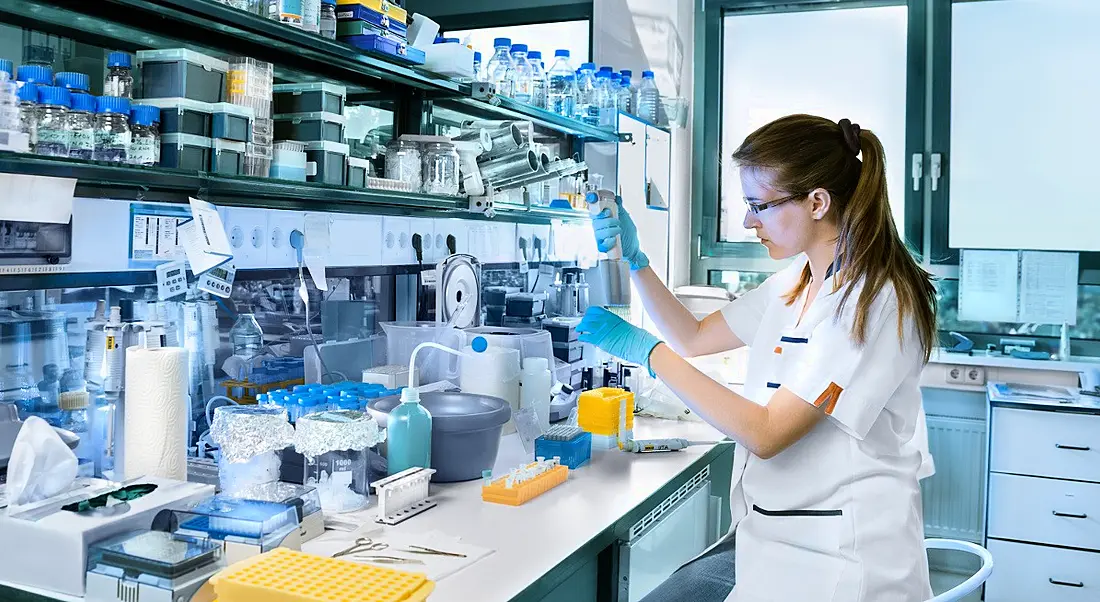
(403, 495)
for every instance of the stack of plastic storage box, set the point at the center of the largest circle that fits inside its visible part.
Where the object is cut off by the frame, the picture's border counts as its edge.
(377, 27)
(250, 85)
(312, 114)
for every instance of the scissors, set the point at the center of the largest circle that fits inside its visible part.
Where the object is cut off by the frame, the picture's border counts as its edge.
(362, 545)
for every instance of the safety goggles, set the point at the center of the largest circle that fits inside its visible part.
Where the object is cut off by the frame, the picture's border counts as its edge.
(757, 208)
(125, 494)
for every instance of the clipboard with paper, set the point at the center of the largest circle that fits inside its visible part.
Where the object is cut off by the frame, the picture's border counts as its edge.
(203, 238)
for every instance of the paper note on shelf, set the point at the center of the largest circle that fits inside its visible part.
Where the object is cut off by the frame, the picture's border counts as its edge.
(1048, 287)
(316, 253)
(988, 285)
(36, 199)
(203, 238)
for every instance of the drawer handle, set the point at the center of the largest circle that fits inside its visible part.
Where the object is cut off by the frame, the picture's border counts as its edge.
(1065, 583)
(1068, 515)
(1073, 447)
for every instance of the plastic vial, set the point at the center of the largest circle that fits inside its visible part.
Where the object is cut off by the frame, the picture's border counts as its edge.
(521, 74)
(75, 82)
(328, 19)
(499, 70)
(540, 85)
(112, 129)
(143, 140)
(649, 98)
(28, 112)
(82, 126)
(119, 80)
(54, 131)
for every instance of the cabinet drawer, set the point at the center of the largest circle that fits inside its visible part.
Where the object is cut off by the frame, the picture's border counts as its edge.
(1046, 444)
(1064, 513)
(1028, 573)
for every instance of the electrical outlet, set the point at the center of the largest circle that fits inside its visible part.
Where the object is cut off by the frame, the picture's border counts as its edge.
(956, 375)
(974, 375)
(280, 224)
(426, 229)
(246, 229)
(397, 241)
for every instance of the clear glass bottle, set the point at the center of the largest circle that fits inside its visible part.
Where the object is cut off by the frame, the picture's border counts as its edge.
(17, 386)
(9, 103)
(403, 162)
(649, 98)
(540, 84)
(522, 85)
(82, 126)
(6, 66)
(120, 79)
(49, 390)
(28, 112)
(587, 106)
(499, 70)
(603, 105)
(112, 129)
(631, 85)
(328, 19)
(311, 15)
(155, 128)
(625, 99)
(246, 336)
(144, 142)
(54, 130)
(73, 417)
(440, 169)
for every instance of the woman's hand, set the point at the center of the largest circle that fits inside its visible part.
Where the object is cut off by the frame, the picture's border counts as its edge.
(607, 228)
(617, 336)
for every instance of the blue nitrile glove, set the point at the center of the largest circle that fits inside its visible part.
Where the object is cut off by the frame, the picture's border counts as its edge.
(617, 337)
(607, 228)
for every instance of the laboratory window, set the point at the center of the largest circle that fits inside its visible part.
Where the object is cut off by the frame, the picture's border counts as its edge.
(573, 36)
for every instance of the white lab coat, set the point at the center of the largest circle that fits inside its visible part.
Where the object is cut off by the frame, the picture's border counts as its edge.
(836, 516)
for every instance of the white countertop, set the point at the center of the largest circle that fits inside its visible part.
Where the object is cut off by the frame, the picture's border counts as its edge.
(981, 358)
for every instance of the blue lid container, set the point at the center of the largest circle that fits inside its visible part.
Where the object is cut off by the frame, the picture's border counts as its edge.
(73, 81)
(7, 67)
(120, 59)
(534, 55)
(627, 73)
(519, 47)
(562, 53)
(53, 95)
(603, 75)
(28, 93)
(83, 102)
(647, 74)
(606, 69)
(588, 67)
(148, 115)
(35, 74)
(499, 42)
(113, 104)
(477, 57)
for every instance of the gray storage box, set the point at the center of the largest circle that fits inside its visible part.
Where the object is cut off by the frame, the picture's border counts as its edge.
(183, 116)
(181, 72)
(316, 97)
(232, 122)
(227, 157)
(184, 151)
(329, 160)
(310, 127)
(358, 171)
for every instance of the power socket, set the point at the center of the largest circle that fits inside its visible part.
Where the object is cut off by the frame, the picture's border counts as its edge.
(973, 376)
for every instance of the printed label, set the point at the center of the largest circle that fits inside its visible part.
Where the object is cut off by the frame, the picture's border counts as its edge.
(111, 344)
(83, 140)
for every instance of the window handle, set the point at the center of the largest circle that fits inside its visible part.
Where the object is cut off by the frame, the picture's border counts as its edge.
(918, 170)
(1073, 447)
(1065, 583)
(1069, 514)
(937, 170)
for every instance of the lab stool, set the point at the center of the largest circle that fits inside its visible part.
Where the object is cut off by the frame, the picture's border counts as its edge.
(975, 581)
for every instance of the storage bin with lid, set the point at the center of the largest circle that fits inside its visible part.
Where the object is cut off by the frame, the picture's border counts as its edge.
(387, 48)
(310, 127)
(362, 21)
(289, 162)
(184, 151)
(313, 97)
(227, 157)
(183, 116)
(384, 7)
(403, 162)
(232, 122)
(328, 160)
(181, 72)
(358, 171)
(440, 161)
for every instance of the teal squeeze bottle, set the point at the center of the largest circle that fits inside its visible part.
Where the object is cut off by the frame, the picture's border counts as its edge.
(410, 434)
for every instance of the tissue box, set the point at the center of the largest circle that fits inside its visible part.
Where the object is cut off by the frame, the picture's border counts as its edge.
(52, 553)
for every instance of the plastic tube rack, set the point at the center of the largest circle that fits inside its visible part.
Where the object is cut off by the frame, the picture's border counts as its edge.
(403, 495)
(525, 483)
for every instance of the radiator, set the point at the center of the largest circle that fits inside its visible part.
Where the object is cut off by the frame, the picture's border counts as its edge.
(954, 497)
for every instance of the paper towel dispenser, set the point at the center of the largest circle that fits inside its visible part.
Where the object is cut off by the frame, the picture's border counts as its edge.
(31, 243)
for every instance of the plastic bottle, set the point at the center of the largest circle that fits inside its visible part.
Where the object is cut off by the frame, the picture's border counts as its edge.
(603, 100)
(587, 107)
(41, 75)
(246, 336)
(522, 84)
(534, 388)
(112, 129)
(499, 70)
(73, 417)
(562, 96)
(74, 82)
(632, 84)
(540, 85)
(649, 98)
(119, 80)
(8, 67)
(625, 99)
(9, 110)
(311, 15)
(409, 428)
(328, 19)
(143, 139)
(54, 132)
(28, 112)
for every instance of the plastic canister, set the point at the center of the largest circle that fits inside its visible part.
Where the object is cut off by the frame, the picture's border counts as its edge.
(432, 365)
(535, 384)
(491, 370)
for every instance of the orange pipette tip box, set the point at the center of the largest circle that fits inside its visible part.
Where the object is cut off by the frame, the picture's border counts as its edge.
(284, 575)
(497, 493)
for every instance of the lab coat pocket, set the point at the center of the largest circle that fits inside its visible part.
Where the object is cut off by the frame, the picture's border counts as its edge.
(791, 555)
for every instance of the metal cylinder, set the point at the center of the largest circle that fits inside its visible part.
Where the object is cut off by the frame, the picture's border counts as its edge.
(510, 166)
(479, 135)
(506, 140)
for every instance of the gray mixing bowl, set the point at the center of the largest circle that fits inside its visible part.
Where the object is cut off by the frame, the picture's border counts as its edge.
(465, 431)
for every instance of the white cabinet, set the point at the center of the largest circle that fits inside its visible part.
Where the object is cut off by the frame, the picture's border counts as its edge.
(1027, 573)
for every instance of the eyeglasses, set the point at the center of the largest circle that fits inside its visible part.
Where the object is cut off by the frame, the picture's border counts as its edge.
(126, 494)
(756, 208)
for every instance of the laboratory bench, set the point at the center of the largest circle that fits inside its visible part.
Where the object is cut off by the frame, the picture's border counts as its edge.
(572, 543)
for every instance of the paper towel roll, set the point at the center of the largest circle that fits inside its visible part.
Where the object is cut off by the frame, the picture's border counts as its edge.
(156, 413)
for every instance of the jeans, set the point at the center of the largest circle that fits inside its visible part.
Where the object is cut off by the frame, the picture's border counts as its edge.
(708, 578)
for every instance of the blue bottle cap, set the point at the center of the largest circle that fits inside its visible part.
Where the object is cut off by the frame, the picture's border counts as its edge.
(647, 74)
(519, 47)
(603, 75)
(477, 57)
(500, 42)
(72, 81)
(588, 67)
(607, 69)
(28, 93)
(625, 81)
(560, 52)
(119, 59)
(332, 2)
(479, 344)
(7, 67)
(35, 74)
(53, 95)
(627, 73)
(83, 102)
(615, 77)
(534, 55)
(145, 115)
(113, 104)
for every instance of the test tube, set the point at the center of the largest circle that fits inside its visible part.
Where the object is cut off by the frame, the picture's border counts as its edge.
(487, 477)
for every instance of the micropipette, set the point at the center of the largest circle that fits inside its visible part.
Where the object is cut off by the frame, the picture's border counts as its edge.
(644, 446)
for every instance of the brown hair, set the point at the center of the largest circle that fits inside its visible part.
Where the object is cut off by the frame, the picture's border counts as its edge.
(806, 153)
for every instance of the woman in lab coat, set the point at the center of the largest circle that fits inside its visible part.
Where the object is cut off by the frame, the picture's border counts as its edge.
(825, 500)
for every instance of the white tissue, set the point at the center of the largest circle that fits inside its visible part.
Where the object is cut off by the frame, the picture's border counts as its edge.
(156, 413)
(41, 465)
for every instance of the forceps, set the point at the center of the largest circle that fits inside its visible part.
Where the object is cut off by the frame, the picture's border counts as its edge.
(362, 545)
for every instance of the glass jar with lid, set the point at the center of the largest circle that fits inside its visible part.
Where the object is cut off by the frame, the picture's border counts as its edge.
(403, 162)
(54, 131)
(440, 169)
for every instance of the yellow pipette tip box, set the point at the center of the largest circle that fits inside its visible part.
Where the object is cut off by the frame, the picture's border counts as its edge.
(519, 494)
(380, 6)
(598, 411)
(284, 575)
